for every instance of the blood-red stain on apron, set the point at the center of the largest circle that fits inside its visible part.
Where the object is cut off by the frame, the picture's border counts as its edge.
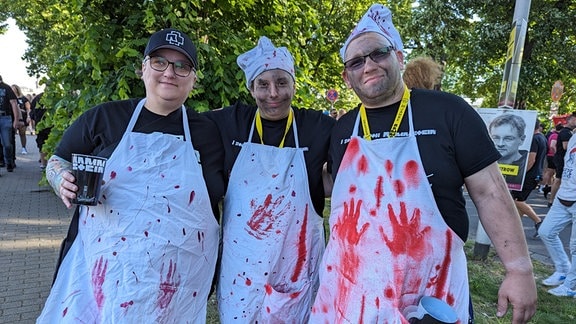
(389, 244)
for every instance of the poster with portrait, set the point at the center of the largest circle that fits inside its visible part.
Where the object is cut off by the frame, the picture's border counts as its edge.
(511, 130)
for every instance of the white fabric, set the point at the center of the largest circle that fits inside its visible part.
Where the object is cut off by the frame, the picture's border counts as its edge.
(272, 238)
(377, 19)
(389, 246)
(146, 253)
(265, 57)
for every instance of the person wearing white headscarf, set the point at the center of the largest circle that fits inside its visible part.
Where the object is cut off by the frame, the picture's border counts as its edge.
(398, 218)
(273, 235)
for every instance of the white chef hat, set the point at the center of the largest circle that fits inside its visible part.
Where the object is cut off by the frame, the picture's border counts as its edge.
(265, 57)
(377, 19)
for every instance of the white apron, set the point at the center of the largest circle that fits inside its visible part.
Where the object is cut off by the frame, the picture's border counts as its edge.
(272, 238)
(389, 244)
(146, 253)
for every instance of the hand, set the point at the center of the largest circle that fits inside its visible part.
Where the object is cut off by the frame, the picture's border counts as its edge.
(61, 179)
(518, 289)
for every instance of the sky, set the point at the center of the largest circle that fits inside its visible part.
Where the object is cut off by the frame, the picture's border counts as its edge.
(12, 67)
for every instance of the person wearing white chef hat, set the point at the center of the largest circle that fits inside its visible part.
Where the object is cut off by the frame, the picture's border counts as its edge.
(398, 218)
(273, 235)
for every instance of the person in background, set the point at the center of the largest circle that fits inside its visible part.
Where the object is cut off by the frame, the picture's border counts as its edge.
(550, 170)
(39, 112)
(535, 165)
(562, 213)
(146, 253)
(273, 233)
(10, 119)
(334, 113)
(423, 73)
(398, 218)
(24, 106)
(564, 136)
(341, 112)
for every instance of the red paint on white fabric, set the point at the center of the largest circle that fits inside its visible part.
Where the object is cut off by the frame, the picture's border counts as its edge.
(98, 278)
(302, 248)
(167, 287)
(262, 221)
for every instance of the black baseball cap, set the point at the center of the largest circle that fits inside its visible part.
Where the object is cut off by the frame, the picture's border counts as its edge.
(173, 39)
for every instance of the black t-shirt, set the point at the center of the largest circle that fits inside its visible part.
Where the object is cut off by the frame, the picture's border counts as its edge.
(564, 135)
(6, 94)
(453, 142)
(313, 127)
(99, 130)
(538, 146)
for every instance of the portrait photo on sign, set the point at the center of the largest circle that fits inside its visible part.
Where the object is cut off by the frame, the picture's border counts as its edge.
(511, 131)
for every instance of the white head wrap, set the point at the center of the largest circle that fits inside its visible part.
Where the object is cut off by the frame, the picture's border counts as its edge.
(377, 19)
(265, 57)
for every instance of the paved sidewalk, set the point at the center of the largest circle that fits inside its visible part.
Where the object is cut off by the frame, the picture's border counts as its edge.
(33, 222)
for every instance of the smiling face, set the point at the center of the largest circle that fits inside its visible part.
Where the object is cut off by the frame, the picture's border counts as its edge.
(376, 84)
(273, 91)
(166, 91)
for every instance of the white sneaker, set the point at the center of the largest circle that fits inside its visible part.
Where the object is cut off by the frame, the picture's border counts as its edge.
(562, 291)
(24, 152)
(555, 279)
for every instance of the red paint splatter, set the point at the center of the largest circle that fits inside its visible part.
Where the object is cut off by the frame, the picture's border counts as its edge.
(146, 233)
(293, 193)
(409, 237)
(329, 268)
(114, 253)
(129, 168)
(302, 249)
(177, 187)
(194, 294)
(295, 294)
(65, 312)
(167, 288)
(347, 224)
(440, 281)
(131, 147)
(264, 217)
(191, 199)
(274, 175)
(123, 238)
(363, 165)
(183, 231)
(378, 191)
(248, 282)
(126, 304)
(268, 309)
(268, 289)
(162, 175)
(389, 292)
(98, 278)
(112, 175)
(389, 166)
(362, 309)
(399, 187)
(174, 157)
(411, 174)
(352, 189)
(350, 154)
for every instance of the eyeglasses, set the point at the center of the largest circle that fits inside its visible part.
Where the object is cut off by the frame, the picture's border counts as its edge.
(160, 64)
(377, 56)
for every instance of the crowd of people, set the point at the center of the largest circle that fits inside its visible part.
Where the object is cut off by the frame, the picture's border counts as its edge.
(17, 118)
(230, 201)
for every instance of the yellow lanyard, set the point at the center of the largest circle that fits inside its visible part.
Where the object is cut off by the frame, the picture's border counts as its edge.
(259, 127)
(397, 119)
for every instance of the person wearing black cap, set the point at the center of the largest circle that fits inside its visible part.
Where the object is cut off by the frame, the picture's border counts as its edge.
(147, 251)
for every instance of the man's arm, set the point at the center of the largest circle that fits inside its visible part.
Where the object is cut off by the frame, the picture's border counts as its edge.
(499, 218)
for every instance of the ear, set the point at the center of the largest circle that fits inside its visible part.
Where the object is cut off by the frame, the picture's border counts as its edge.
(400, 58)
(345, 77)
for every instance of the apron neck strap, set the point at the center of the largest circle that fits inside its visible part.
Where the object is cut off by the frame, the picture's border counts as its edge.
(258, 122)
(138, 109)
(363, 118)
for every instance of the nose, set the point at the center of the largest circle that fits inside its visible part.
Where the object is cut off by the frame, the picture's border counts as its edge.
(273, 90)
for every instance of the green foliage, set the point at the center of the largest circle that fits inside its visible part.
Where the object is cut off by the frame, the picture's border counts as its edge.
(91, 50)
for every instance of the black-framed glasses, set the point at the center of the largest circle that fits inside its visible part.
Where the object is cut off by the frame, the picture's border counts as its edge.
(160, 64)
(377, 55)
